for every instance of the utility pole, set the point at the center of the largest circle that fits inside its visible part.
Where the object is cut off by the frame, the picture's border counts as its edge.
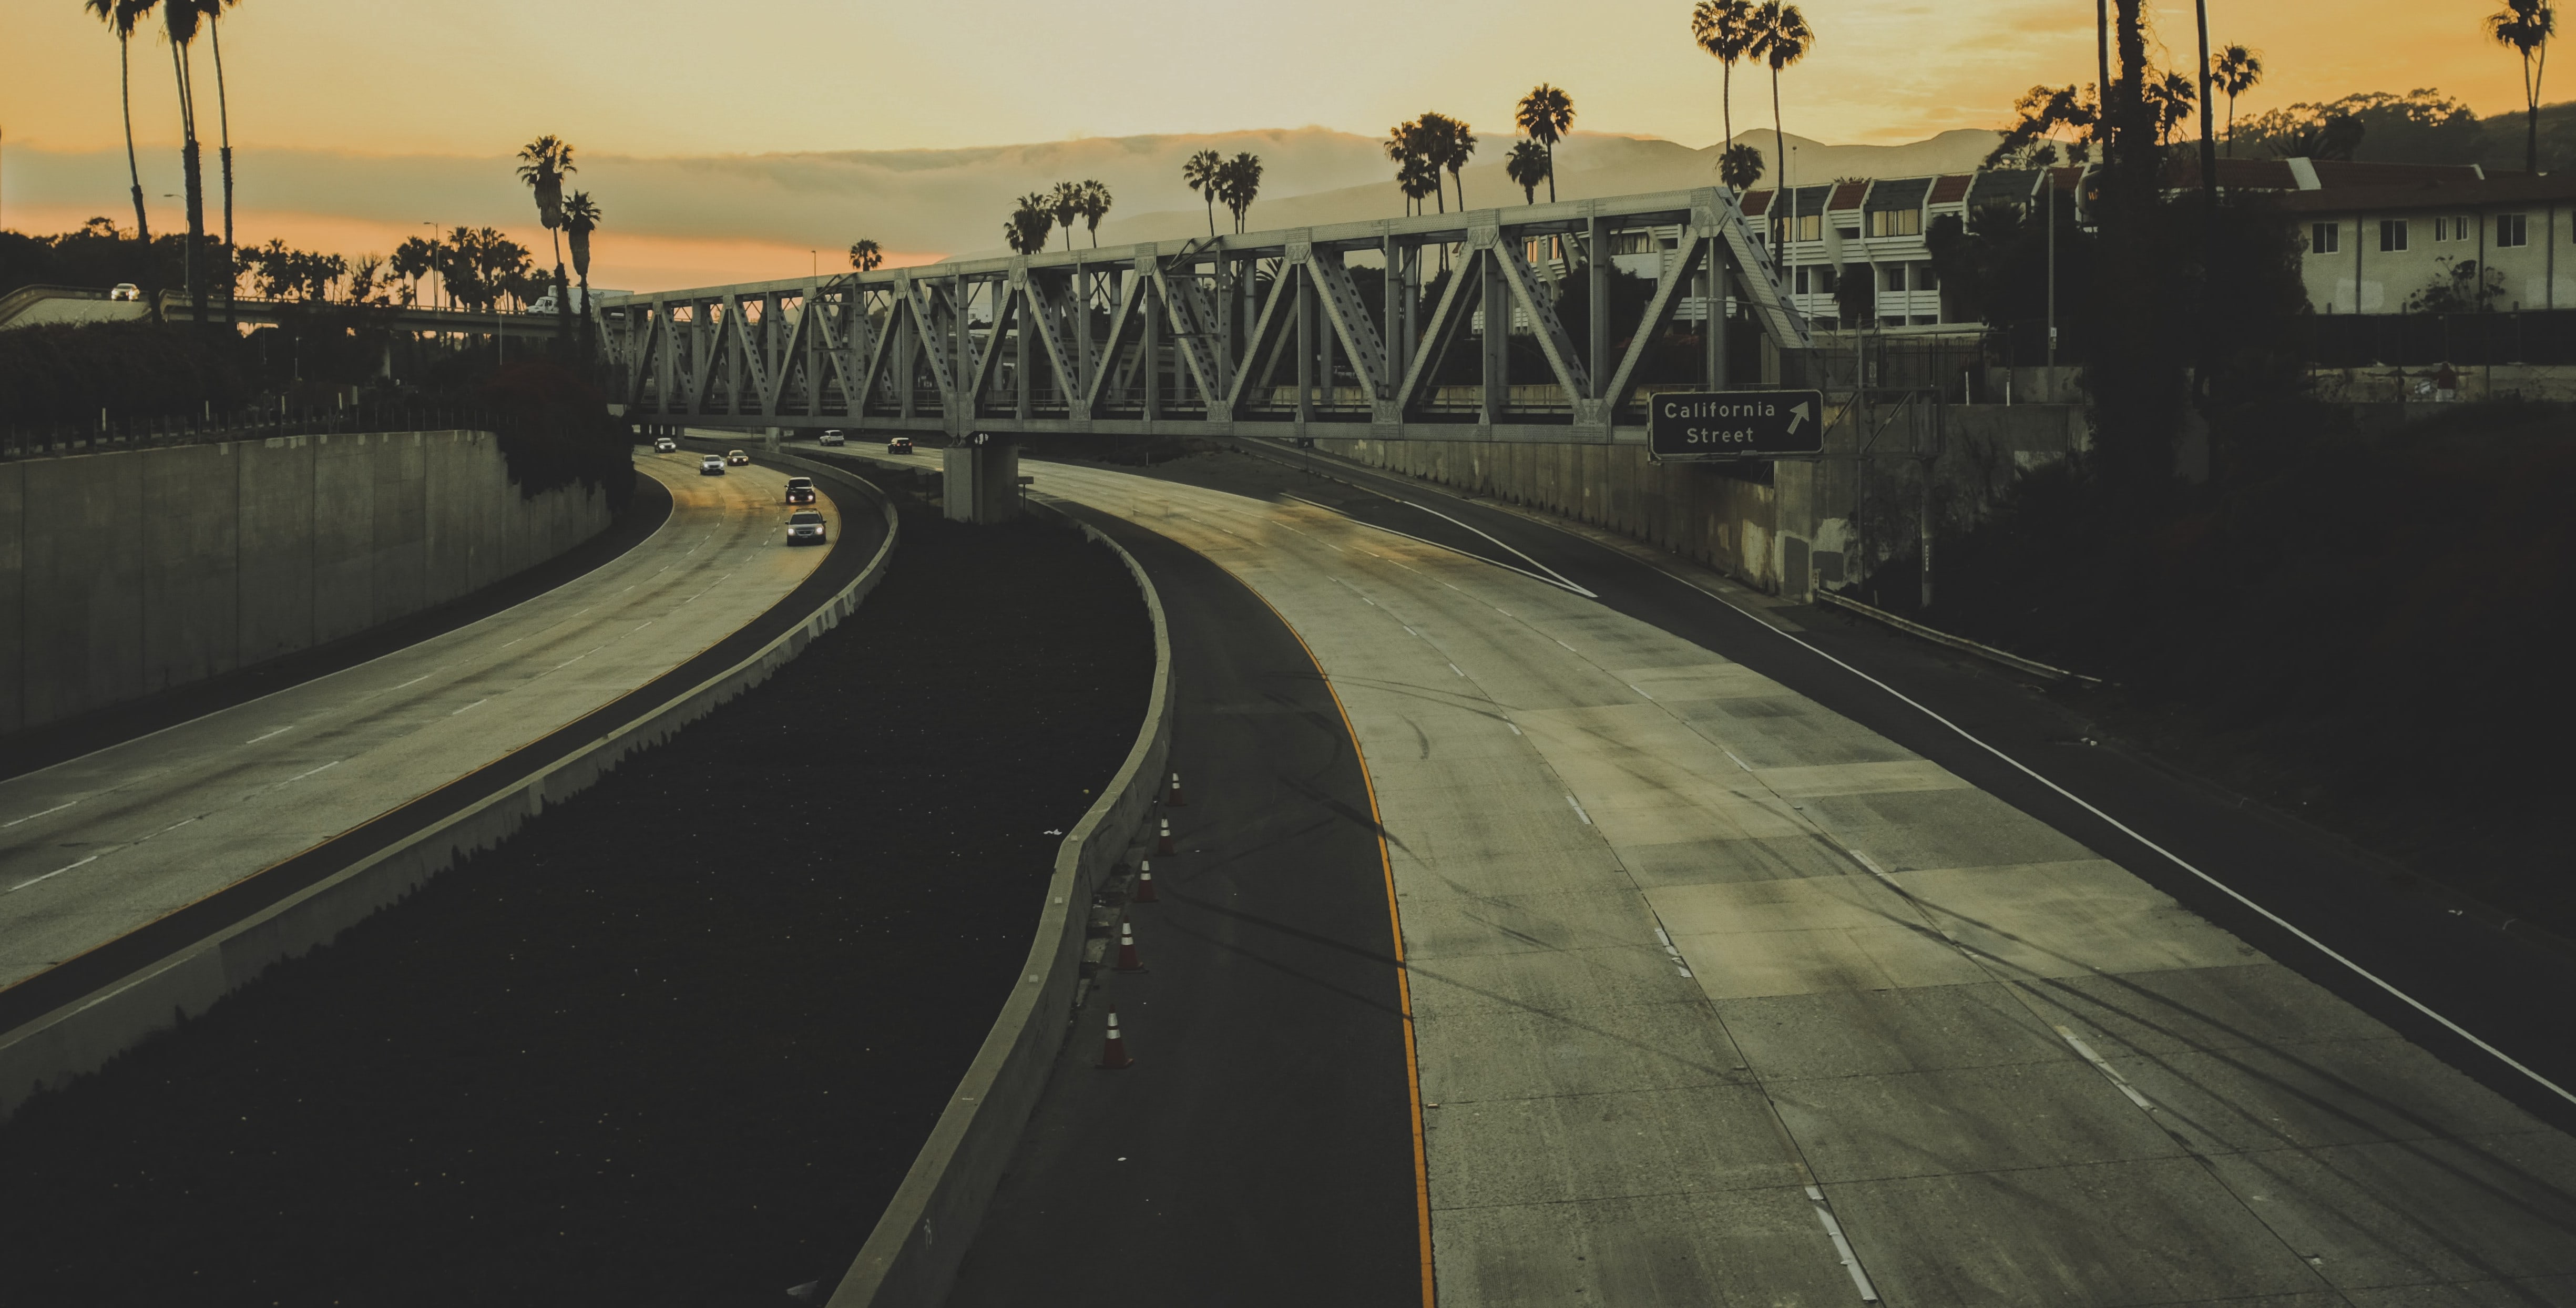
(2050, 389)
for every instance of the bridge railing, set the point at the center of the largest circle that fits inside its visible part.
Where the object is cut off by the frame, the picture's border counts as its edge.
(1381, 325)
(34, 442)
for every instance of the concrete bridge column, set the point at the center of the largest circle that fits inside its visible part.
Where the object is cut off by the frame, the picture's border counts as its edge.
(980, 482)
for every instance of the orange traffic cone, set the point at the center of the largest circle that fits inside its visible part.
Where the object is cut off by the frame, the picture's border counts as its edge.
(1176, 801)
(1144, 884)
(1127, 949)
(1113, 1051)
(1164, 845)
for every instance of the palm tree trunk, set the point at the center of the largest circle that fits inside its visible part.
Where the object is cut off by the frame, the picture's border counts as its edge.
(1551, 172)
(1726, 105)
(2531, 119)
(1211, 207)
(192, 167)
(134, 169)
(224, 123)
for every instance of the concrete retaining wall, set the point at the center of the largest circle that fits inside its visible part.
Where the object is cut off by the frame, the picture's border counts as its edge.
(82, 1035)
(911, 1258)
(131, 572)
(1825, 521)
(1693, 511)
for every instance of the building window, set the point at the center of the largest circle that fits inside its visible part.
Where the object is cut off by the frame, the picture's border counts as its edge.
(1811, 227)
(1926, 277)
(1896, 222)
(2392, 235)
(1816, 279)
(1894, 280)
(2512, 229)
(2324, 238)
(1632, 242)
(1848, 233)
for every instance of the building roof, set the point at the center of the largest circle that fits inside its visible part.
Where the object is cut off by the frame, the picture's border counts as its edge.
(2332, 173)
(2182, 173)
(1950, 189)
(1901, 193)
(2495, 189)
(1848, 195)
(1754, 202)
(2002, 186)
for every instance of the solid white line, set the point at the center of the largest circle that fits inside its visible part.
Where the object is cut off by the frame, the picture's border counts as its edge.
(1560, 577)
(2132, 833)
(1559, 582)
(1578, 810)
(51, 875)
(33, 816)
(279, 732)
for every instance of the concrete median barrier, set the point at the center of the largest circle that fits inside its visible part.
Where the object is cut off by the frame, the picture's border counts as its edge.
(911, 1258)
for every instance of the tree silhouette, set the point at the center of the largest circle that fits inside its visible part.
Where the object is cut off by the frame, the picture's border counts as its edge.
(1739, 167)
(1546, 114)
(1527, 166)
(2525, 26)
(1724, 28)
(1239, 184)
(2237, 72)
(1780, 38)
(1064, 204)
(1199, 172)
(865, 255)
(122, 16)
(1095, 206)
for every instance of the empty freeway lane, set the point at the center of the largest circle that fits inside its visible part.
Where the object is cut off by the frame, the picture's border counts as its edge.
(98, 848)
(1725, 996)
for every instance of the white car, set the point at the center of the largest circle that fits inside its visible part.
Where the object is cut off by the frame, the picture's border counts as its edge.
(737, 458)
(664, 445)
(832, 437)
(711, 466)
(805, 527)
(126, 291)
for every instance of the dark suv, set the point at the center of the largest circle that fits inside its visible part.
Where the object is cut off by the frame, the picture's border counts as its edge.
(800, 490)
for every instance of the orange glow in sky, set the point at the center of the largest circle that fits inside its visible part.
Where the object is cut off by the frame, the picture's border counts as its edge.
(662, 78)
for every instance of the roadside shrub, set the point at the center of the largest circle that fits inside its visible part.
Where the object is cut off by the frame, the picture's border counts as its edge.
(555, 430)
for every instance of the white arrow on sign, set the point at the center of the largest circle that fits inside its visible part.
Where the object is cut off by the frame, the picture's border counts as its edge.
(1796, 416)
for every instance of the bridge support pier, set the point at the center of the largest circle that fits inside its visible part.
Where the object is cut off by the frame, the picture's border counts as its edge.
(980, 483)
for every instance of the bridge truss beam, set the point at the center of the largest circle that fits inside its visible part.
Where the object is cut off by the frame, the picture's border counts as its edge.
(1374, 329)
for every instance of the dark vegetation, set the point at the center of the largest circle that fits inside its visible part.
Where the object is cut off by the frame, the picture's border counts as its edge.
(2368, 629)
(555, 430)
(2422, 126)
(674, 1043)
(2364, 627)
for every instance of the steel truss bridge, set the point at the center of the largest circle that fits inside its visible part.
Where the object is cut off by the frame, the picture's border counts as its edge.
(1372, 329)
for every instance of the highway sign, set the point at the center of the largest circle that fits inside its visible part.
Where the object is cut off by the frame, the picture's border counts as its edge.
(1694, 425)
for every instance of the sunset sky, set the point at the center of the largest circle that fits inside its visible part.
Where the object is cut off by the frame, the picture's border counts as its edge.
(662, 78)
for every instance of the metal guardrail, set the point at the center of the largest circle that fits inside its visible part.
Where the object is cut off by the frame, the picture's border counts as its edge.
(156, 433)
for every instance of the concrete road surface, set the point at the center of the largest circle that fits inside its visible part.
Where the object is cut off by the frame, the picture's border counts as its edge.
(1722, 998)
(99, 845)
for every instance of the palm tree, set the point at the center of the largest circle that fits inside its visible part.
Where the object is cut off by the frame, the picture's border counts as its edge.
(180, 21)
(1063, 205)
(1448, 144)
(1199, 173)
(1239, 184)
(2525, 26)
(2169, 99)
(214, 10)
(1724, 28)
(543, 165)
(1547, 114)
(1032, 222)
(1780, 38)
(2238, 70)
(1095, 206)
(1527, 166)
(1403, 146)
(1739, 167)
(1419, 181)
(865, 255)
(122, 15)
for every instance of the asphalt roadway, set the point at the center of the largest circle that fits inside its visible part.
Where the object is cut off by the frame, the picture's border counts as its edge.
(1261, 1148)
(94, 847)
(1736, 978)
